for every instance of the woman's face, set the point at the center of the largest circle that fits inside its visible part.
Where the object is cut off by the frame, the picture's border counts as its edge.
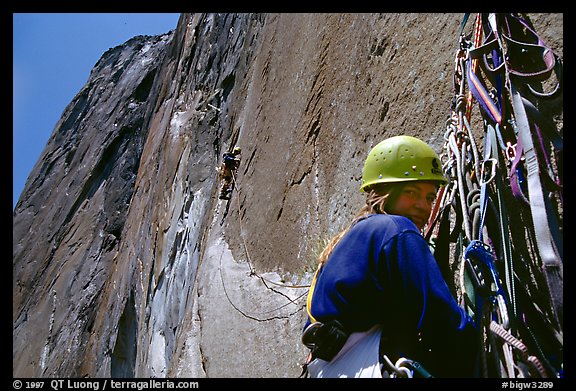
(414, 201)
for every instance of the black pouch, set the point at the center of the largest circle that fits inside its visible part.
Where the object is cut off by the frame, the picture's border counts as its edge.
(325, 339)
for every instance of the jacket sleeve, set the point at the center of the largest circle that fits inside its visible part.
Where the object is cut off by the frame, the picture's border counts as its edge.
(446, 336)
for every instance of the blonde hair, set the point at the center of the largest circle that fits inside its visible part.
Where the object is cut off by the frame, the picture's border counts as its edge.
(376, 199)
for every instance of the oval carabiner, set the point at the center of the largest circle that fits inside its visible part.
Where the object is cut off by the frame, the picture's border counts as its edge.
(396, 371)
(493, 163)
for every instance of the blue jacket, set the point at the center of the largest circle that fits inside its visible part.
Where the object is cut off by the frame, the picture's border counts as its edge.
(382, 272)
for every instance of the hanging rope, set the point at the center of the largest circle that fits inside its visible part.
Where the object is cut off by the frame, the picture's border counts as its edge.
(252, 270)
(264, 280)
(252, 316)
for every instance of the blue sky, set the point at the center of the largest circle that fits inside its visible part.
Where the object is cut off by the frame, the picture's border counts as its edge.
(53, 55)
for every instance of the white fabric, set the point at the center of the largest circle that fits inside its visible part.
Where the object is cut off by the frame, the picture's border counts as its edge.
(357, 358)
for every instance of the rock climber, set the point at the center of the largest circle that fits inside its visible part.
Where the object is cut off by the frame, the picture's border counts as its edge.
(230, 163)
(378, 297)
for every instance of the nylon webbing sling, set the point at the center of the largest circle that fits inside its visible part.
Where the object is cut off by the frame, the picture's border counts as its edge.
(549, 250)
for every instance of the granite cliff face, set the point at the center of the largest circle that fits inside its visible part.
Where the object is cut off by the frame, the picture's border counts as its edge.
(126, 263)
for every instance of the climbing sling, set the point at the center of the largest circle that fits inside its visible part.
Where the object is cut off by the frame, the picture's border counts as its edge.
(506, 201)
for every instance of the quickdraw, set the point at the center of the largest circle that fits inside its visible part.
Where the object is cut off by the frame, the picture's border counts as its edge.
(507, 200)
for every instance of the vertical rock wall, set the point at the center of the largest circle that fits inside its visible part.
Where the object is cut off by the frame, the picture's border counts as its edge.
(68, 224)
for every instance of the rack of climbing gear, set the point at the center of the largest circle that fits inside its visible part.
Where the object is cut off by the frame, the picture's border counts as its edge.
(499, 221)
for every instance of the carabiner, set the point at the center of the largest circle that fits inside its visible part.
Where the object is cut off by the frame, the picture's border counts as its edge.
(395, 369)
(493, 162)
(480, 254)
(510, 151)
(414, 366)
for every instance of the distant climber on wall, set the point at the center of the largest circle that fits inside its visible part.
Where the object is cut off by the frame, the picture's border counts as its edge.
(226, 170)
(378, 295)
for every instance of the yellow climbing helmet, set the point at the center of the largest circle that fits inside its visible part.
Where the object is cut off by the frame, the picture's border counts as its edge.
(237, 150)
(401, 159)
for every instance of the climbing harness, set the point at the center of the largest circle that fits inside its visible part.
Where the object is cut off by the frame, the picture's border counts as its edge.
(327, 339)
(505, 198)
